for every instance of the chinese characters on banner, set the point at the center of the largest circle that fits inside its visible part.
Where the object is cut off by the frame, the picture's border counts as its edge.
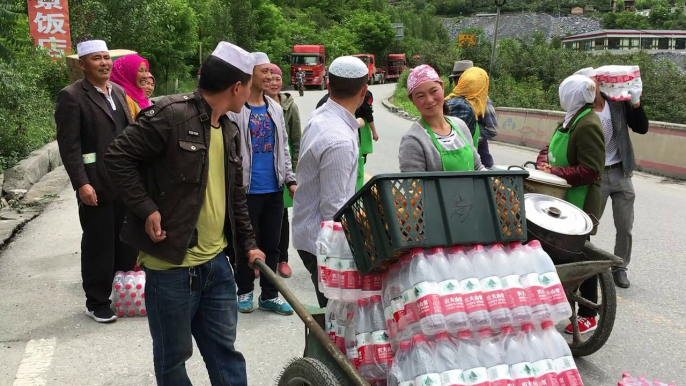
(49, 26)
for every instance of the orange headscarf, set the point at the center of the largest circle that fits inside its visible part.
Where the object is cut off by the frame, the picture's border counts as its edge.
(473, 86)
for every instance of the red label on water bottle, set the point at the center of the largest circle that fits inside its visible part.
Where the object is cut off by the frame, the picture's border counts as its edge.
(472, 296)
(553, 288)
(398, 308)
(537, 295)
(451, 300)
(514, 292)
(349, 275)
(428, 300)
(567, 373)
(363, 342)
(409, 299)
(493, 292)
(545, 372)
(382, 347)
(367, 282)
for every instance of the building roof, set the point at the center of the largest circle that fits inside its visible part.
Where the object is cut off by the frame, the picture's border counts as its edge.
(626, 32)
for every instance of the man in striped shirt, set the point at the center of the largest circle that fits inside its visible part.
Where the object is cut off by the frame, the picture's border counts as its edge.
(329, 152)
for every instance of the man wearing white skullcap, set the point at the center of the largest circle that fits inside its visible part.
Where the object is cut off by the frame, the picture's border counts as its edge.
(89, 114)
(329, 154)
(267, 171)
(189, 216)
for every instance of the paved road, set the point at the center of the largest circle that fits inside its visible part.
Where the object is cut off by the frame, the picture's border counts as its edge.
(45, 338)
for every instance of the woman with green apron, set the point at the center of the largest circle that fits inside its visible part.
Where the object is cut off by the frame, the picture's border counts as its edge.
(435, 142)
(577, 153)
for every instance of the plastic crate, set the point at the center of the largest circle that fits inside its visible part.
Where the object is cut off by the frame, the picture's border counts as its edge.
(394, 213)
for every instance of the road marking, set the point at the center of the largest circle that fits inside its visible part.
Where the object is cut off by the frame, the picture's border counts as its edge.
(36, 361)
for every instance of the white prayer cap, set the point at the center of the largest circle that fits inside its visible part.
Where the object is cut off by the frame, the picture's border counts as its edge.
(348, 67)
(588, 72)
(260, 58)
(235, 56)
(90, 46)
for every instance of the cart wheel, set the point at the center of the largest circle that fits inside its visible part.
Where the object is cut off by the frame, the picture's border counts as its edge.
(607, 310)
(308, 372)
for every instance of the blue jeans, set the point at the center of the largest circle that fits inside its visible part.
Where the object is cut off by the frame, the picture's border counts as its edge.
(209, 314)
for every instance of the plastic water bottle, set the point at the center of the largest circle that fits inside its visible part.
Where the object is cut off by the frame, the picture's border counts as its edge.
(129, 280)
(330, 319)
(474, 372)
(470, 288)
(523, 257)
(628, 380)
(371, 285)
(489, 275)
(140, 280)
(363, 339)
(348, 279)
(559, 305)
(351, 347)
(323, 244)
(118, 281)
(423, 363)
(542, 363)
(516, 357)
(427, 297)
(515, 295)
(382, 353)
(447, 360)
(399, 375)
(142, 311)
(411, 327)
(391, 294)
(449, 288)
(493, 358)
(567, 373)
(333, 263)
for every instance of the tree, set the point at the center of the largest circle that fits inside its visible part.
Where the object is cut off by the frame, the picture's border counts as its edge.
(10, 13)
(373, 31)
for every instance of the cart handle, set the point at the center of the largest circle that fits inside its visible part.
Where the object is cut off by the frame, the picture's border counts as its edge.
(342, 360)
(531, 163)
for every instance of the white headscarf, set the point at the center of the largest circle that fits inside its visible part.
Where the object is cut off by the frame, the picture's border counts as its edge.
(575, 92)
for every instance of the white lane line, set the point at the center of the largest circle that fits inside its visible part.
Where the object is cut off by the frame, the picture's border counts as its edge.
(36, 361)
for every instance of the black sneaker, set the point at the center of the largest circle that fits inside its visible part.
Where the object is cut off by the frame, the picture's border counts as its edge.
(620, 278)
(105, 315)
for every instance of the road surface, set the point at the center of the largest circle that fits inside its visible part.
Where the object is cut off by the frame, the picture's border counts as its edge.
(45, 338)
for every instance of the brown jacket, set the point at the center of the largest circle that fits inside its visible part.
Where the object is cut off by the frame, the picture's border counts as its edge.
(85, 125)
(159, 163)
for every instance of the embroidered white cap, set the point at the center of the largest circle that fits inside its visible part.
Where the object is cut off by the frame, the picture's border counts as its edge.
(588, 72)
(90, 46)
(260, 58)
(235, 56)
(348, 67)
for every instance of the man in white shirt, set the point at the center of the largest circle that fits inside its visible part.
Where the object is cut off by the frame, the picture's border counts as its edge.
(329, 152)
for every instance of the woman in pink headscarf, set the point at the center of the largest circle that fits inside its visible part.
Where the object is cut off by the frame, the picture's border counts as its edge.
(131, 73)
(435, 142)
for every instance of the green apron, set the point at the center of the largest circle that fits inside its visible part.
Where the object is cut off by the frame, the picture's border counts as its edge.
(453, 160)
(287, 200)
(366, 139)
(557, 156)
(477, 133)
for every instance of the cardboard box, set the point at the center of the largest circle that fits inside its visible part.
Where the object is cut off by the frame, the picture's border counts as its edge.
(74, 71)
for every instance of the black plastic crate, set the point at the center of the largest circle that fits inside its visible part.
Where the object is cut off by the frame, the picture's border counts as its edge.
(394, 213)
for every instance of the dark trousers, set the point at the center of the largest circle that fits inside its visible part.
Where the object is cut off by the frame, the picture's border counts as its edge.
(589, 291)
(310, 262)
(485, 153)
(209, 314)
(266, 215)
(102, 252)
(285, 237)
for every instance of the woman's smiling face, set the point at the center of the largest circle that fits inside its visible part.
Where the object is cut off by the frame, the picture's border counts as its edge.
(428, 98)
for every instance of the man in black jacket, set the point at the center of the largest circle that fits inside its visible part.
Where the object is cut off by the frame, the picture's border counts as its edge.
(179, 172)
(89, 114)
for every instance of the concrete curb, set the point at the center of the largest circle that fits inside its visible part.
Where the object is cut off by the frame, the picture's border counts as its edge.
(399, 111)
(30, 170)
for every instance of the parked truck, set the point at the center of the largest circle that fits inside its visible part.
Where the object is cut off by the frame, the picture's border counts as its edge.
(376, 74)
(395, 65)
(312, 60)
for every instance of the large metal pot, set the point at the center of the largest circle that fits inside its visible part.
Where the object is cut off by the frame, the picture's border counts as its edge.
(561, 227)
(541, 182)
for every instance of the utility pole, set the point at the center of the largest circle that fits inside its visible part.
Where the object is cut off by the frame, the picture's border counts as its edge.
(498, 4)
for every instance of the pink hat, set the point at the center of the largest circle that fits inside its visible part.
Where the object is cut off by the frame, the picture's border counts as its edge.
(420, 75)
(276, 70)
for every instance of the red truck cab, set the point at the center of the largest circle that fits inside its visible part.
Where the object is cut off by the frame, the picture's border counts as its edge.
(395, 65)
(376, 75)
(312, 60)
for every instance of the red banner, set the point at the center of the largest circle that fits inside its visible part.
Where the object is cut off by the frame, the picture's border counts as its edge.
(49, 26)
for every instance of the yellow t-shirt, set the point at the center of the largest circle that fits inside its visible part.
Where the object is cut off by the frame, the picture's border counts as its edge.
(210, 226)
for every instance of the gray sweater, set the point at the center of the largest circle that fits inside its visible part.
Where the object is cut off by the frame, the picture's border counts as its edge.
(419, 154)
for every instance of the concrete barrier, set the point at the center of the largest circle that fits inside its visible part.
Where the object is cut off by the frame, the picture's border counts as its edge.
(31, 169)
(661, 151)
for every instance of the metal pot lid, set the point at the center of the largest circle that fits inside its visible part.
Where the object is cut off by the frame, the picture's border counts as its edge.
(536, 175)
(556, 215)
